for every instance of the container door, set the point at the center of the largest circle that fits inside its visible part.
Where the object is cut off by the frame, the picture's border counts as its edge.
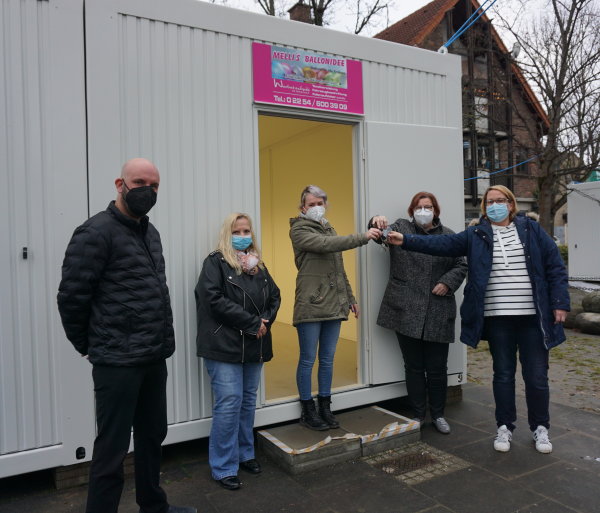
(46, 399)
(401, 161)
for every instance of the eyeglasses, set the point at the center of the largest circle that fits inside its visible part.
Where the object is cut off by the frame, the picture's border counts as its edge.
(500, 201)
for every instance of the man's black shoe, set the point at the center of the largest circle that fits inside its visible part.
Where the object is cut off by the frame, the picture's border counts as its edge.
(230, 483)
(251, 466)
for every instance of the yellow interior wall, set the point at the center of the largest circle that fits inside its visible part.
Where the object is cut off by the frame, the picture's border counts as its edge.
(295, 153)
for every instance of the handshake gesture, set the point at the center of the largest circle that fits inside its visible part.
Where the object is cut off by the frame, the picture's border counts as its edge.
(384, 233)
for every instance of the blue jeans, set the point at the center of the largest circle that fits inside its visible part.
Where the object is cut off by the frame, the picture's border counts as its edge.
(506, 334)
(311, 335)
(231, 441)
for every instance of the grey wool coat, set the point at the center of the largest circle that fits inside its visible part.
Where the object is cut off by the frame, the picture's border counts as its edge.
(408, 306)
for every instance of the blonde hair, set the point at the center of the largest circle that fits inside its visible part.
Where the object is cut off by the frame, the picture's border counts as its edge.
(225, 247)
(509, 195)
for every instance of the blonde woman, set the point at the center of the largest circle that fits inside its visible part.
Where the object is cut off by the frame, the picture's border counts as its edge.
(236, 301)
(516, 298)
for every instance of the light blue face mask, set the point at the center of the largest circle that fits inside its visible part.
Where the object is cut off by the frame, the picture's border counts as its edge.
(241, 243)
(497, 212)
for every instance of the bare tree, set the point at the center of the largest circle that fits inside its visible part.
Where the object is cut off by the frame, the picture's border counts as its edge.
(366, 12)
(268, 6)
(560, 58)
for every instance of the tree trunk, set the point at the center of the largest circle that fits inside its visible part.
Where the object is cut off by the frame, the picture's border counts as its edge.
(545, 202)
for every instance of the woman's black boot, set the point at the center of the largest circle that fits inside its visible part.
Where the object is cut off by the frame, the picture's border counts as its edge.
(310, 418)
(325, 411)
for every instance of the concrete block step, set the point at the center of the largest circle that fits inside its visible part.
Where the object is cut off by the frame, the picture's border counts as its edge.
(362, 432)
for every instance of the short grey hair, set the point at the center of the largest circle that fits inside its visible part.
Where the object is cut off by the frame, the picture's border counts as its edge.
(315, 191)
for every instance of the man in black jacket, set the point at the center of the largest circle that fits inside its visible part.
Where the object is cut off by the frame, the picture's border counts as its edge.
(114, 305)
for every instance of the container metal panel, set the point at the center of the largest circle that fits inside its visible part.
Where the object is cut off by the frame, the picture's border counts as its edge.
(28, 394)
(396, 94)
(181, 104)
(37, 192)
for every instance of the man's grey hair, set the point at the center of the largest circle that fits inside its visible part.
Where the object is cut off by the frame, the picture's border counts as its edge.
(315, 191)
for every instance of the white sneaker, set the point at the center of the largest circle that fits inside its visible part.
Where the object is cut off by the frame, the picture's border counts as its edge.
(542, 442)
(503, 439)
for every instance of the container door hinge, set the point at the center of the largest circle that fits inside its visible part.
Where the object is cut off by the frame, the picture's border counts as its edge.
(363, 154)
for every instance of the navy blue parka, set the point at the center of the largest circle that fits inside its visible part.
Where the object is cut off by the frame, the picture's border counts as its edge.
(549, 280)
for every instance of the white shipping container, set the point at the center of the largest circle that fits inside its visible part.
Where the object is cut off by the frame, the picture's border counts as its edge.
(584, 231)
(172, 81)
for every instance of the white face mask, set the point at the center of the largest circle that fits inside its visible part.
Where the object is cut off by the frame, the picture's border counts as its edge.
(315, 213)
(423, 217)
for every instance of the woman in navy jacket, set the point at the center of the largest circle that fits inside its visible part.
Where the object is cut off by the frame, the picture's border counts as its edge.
(516, 297)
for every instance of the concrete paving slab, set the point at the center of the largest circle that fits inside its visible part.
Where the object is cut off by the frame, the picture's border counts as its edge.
(460, 435)
(258, 495)
(567, 484)
(376, 494)
(470, 413)
(579, 449)
(474, 490)
(521, 459)
(478, 394)
(547, 506)
(579, 420)
(334, 475)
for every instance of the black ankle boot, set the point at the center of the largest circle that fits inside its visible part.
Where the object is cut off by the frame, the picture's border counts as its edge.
(325, 411)
(310, 418)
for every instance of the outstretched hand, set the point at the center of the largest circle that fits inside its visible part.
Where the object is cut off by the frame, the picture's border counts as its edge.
(373, 234)
(395, 239)
(380, 222)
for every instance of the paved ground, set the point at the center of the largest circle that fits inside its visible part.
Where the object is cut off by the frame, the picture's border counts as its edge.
(574, 368)
(458, 473)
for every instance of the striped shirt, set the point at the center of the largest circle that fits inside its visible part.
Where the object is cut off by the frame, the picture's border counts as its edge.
(508, 290)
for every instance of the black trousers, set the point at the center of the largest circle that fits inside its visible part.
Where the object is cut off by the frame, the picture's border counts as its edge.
(426, 368)
(128, 397)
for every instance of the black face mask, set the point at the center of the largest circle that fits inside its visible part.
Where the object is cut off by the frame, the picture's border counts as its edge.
(139, 200)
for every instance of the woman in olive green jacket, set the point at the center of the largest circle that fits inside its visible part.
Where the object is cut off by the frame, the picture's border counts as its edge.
(323, 299)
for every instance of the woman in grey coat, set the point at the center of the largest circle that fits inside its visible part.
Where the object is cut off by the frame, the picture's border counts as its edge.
(419, 305)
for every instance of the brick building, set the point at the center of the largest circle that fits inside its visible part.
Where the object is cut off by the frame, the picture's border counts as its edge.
(502, 118)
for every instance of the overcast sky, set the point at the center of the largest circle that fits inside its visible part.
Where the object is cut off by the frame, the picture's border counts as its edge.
(344, 19)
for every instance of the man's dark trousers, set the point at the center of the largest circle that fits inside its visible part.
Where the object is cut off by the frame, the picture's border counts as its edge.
(126, 397)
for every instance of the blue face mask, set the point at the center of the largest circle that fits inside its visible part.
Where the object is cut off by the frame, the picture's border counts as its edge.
(241, 243)
(497, 212)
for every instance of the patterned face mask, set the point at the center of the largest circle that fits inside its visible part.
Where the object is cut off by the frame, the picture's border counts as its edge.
(315, 213)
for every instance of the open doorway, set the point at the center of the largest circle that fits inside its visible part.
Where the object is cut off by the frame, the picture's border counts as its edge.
(293, 154)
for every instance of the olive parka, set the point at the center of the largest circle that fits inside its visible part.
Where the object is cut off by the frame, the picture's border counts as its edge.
(323, 292)
(229, 310)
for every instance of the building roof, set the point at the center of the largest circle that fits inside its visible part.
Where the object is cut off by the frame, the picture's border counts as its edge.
(415, 28)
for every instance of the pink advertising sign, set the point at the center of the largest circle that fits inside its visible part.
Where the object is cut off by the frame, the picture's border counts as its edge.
(297, 78)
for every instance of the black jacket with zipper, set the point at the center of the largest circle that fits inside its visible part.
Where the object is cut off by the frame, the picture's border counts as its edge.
(113, 297)
(229, 310)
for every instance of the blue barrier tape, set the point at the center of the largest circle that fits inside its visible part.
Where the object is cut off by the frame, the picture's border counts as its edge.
(502, 170)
